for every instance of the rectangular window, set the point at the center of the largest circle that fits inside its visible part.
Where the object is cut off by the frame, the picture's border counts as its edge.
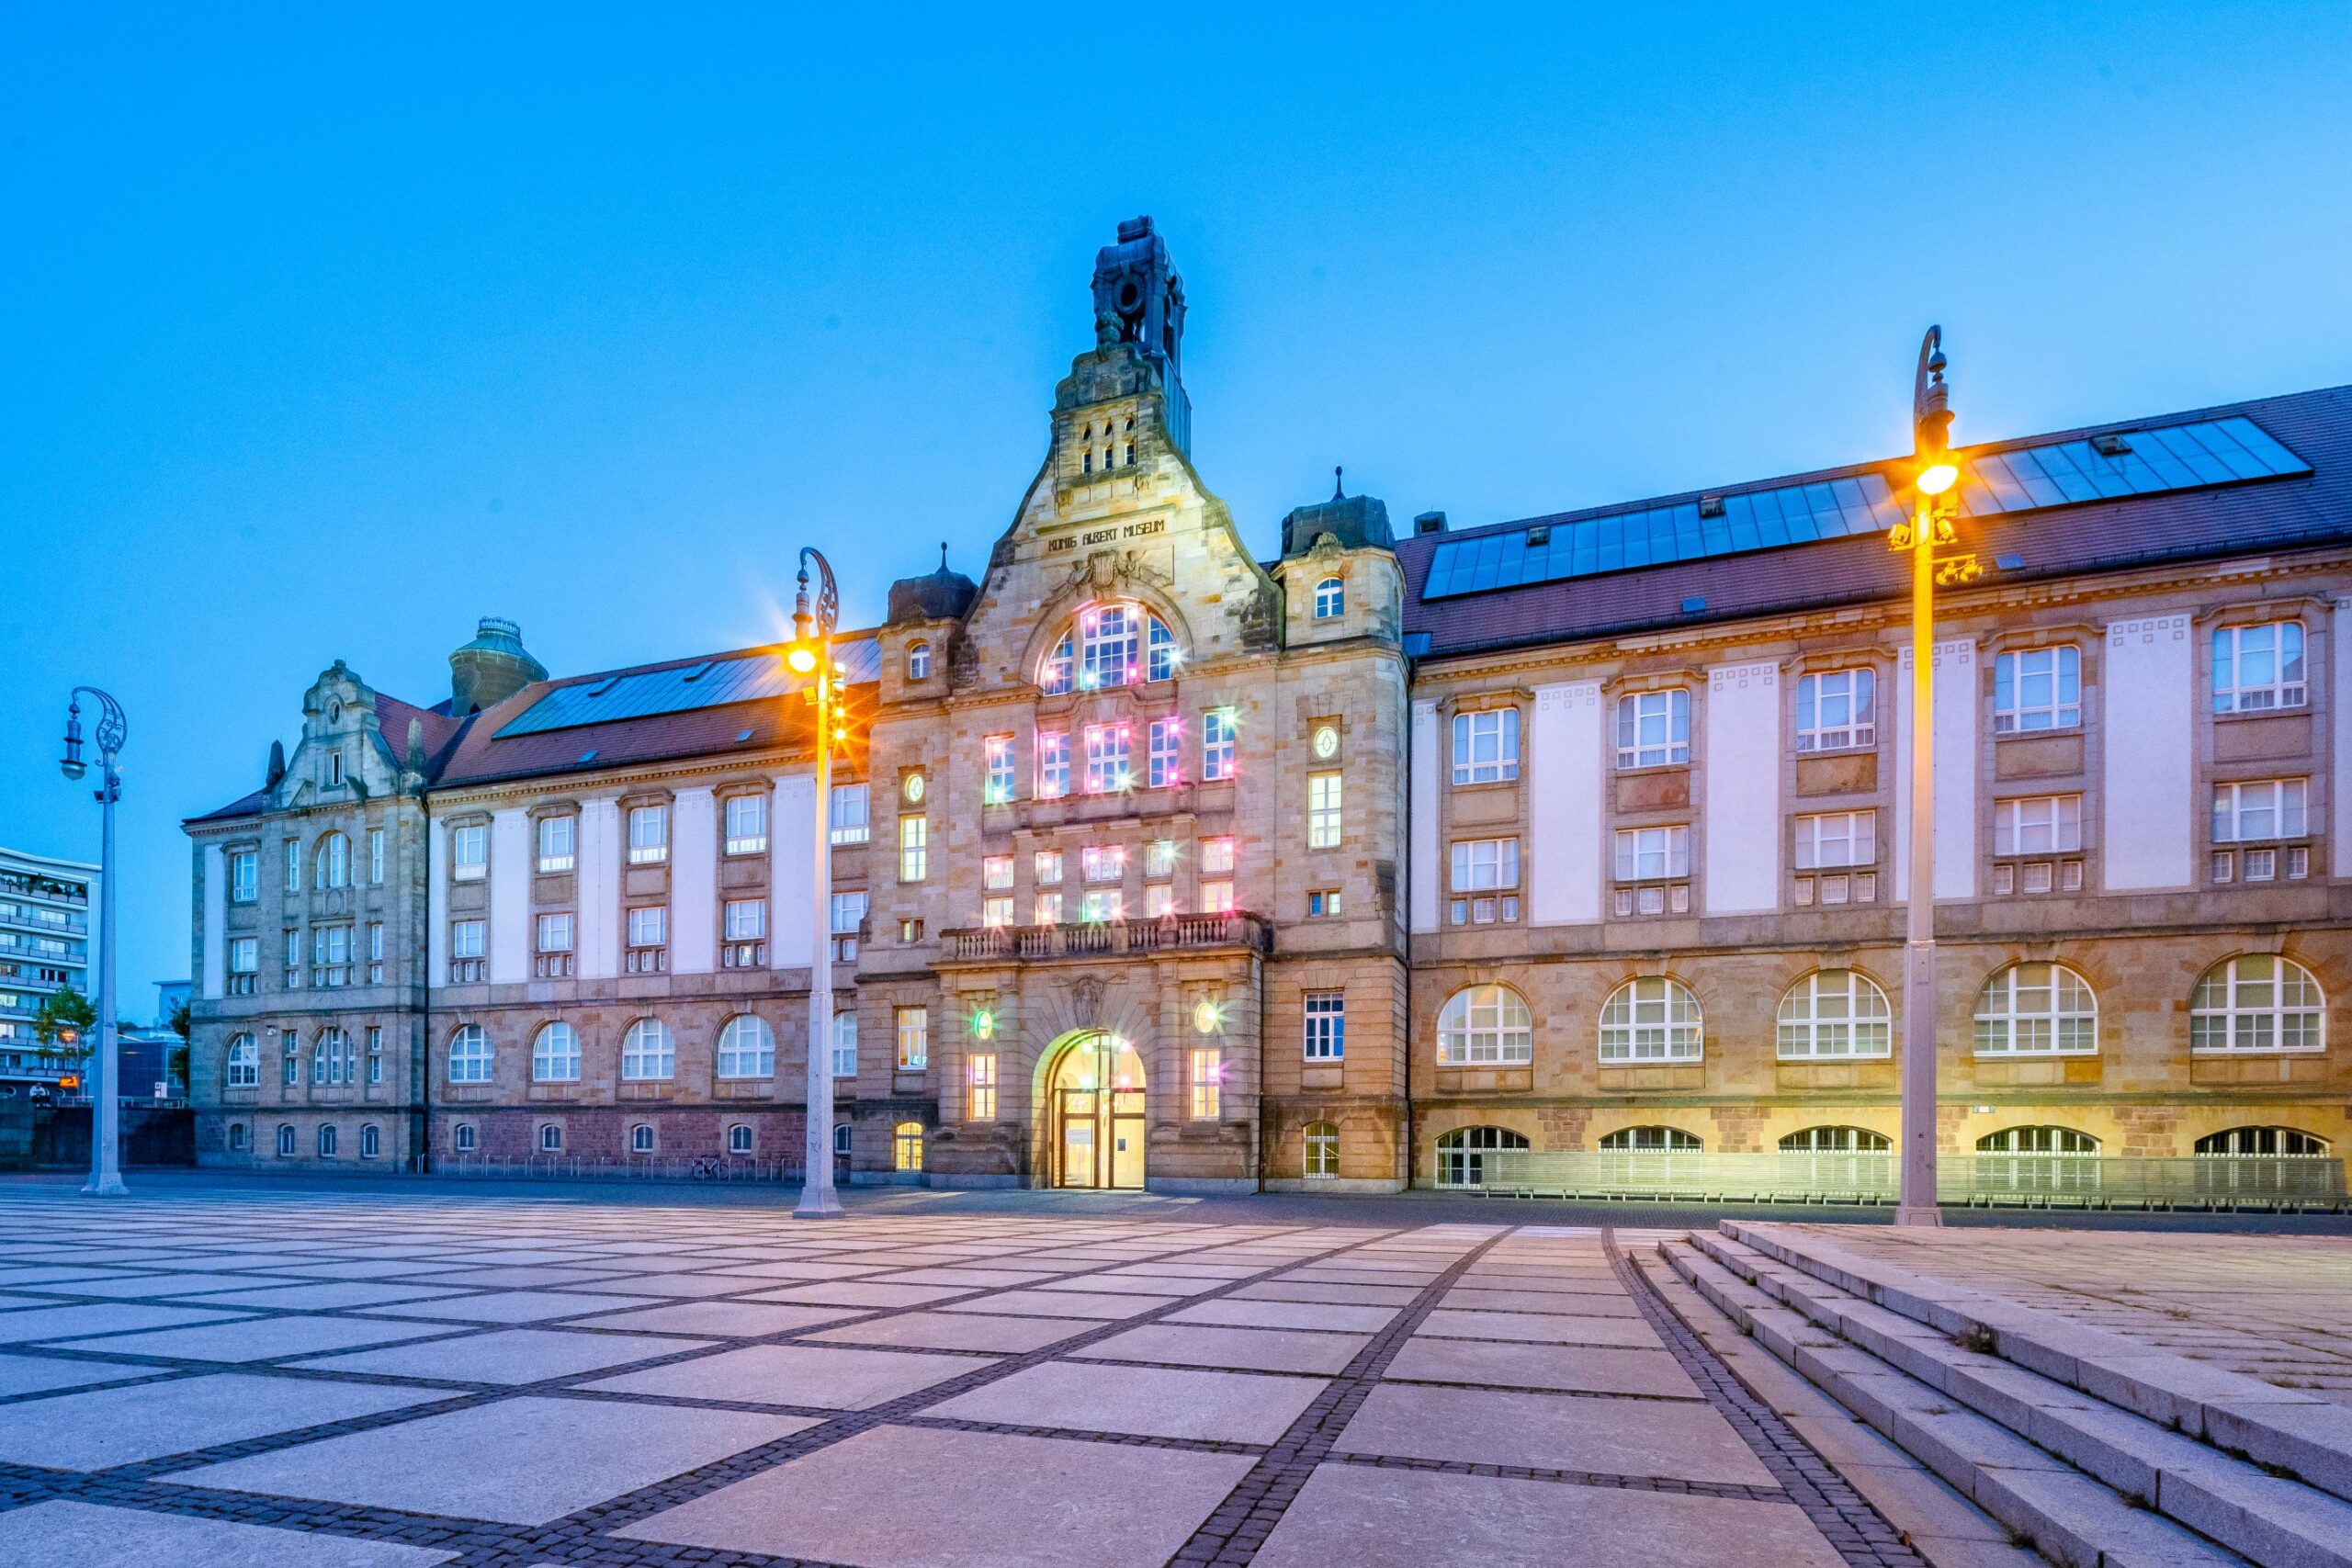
(979, 1071)
(1164, 765)
(1837, 837)
(848, 814)
(1323, 811)
(845, 1044)
(914, 1038)
(375, 953)
(1482, 865)
(1049, 910)
(2257, 669)
(996, 872)
(375, 1055)
(1216, 744)
(1653, 855)
(466, 938)
(2038, 825)
(1653, 729)
(555, 933)
(293, 1068)
(2259, 809)
(1159, 901)
(1216, 857)
(1098, 906)
(470, 851)
(846, 919)
(746, 824)
(293, 865)
(1326, 1025)
(648, 926)
(1216, 898)
(1208, 1082)
(330, 945)
(1159, 858)
(1323, 904)
(1486, 746)
(914, 847)
(996, 911)
(244, 956)
(1837, 709)
(335, 769)
(1048, 868)
(996, 786)
(2038, 688)
(747, 919)
(649, 834)
(1107, 769)
(1106, 646)
(1102, 862)
(1052, 764)
(559, 843)
(245, 876)
(375, 857)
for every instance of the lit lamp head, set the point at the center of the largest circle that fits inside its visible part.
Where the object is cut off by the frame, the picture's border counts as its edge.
(802, 655)
(1939, 477)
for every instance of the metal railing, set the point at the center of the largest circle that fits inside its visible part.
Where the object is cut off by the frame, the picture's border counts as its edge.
(646, 1167)
(1232, 928)
(2080, 1181)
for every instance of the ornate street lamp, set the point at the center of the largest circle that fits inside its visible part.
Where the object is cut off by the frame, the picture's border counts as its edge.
(1935, 479)
(106, 1173)
(811, 654)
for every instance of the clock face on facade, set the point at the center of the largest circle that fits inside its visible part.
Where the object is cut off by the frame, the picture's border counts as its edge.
(1327, 742)
(913, 787)
(1205, 1016)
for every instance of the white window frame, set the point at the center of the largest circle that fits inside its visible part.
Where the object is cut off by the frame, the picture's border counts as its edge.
(2285, 801)
(242, 1067)
(648, 835)
(918, 661)
(1326, 822)
(1164, 758)
(746, 919)
(1850, 834)
(843, 1046)
(2241, 1007)
(1654, 854)
(649, 925)
(2037, 690)
(1485, 1025)
(244, 876)
(2038, 825)
(746, 824)
(1485, 865)
(555, 1053)
(1109, 641)
(648, 1052)
(1110, 751)
(1652, 1019)
(470, 851)
(1834, 1015)
(997, 777)
(1053, 765)
(2059, 1016)
(848, 816)
(746, 1047)
(469, 939)
(1330, 599)
(1219, 742)
(559, 842)
(1855, 690)
(469, 1056)
(914, 847)
(1323, 1021)
(1486, 746)
(557, 932)
(1653, 730)
(2259, 667)
(913, 1029)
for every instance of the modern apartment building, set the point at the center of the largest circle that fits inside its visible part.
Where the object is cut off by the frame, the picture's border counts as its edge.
(46, 944)
(1158, 861)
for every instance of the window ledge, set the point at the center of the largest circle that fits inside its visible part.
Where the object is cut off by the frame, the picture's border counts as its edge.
(2226, 1055)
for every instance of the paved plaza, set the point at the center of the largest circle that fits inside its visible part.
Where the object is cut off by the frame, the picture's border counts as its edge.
(394, 1379)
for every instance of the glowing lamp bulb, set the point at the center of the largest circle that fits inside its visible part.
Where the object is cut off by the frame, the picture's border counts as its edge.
(1938, 478)
(800, 658)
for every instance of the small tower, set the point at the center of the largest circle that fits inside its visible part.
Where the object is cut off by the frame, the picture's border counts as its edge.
(492, 668)
(1139, 299)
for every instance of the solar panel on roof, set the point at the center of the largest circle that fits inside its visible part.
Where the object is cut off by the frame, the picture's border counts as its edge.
(2026, 478)
(746, 678)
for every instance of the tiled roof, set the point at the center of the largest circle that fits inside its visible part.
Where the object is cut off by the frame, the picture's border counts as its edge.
(244, 806)
(440, 729)
(2265, 514)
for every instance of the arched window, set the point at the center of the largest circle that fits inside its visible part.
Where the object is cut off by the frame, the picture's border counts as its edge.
(746, 1048)
(464, 1138)
(1652, 1140)
(372, 1142)
(1652, 1019)
(1330, 599)
(286, 1140)
(647, 1051)
(1835, 1013)
(244, 1070)
(1461, 1154)
(1836, 1141)
(2036, 1010)
(1101, 649)
(2255, 1002)
(738, 1138)
(840, 1140)
(555, 1053)
(2037, 1141)
(1159, 655)
(1322, 1151)
(470, 1054)
(550, 1138)
(918, 661)
(905, 1146)
(640, 1138)
(237, 1137)
(2262, 1141)
(334, 860)
(326, 1142)
(1483, 1024)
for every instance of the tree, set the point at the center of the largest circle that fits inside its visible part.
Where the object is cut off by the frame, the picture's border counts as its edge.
(63, 1027)
(176, 1060)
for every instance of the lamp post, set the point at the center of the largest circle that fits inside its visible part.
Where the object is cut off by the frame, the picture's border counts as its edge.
(811, 654)
(1934, 501)
(106, 1173)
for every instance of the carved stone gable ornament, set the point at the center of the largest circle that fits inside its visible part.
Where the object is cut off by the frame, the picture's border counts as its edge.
(1261, 617)
(1086, 997)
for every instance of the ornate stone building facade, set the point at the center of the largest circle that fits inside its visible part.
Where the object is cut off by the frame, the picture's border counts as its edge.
(1160, 863)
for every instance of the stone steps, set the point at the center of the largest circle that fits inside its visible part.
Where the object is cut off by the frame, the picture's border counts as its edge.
(2090, 1481)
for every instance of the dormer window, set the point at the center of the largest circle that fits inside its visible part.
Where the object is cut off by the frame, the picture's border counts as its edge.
(1330, 599)
(918, 661)
(1102, 650)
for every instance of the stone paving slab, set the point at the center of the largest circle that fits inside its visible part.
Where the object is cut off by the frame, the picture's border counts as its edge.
(958, 1331)
(1233, 1313)
(1565, 1367)
(1063, 1303)
(523, 1460)
(749, 1320)
(40, 1374)
(1150, 1401)
(255, 1340)
(1247, 1349)
(30, 1324)
(1538, 1328)
(1552, 1431)
(510, 1306)
(1351, 1515)
(107, 1427)
(898, 1497)
(509, 1355)
(823, 1377)
(61, 1532)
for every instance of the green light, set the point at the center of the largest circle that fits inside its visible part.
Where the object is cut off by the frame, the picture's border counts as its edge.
(983, 1024)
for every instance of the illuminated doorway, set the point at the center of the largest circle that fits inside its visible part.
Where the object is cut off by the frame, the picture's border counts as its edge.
(1097, 1096)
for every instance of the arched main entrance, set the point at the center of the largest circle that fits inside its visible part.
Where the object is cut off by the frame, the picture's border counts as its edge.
(1096, 1095)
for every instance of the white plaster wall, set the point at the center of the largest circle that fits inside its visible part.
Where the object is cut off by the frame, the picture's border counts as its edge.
(1742, 816)
(792, 873)
(1427, 869)
(436, 904)
(216, 920)
(694, 870)
(1955, 763)
(510, 895)
(2339, 685)
(1565, 779)
(599, 886)
(2148, 777)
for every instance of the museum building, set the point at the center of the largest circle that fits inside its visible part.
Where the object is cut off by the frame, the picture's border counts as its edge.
(1155, 863)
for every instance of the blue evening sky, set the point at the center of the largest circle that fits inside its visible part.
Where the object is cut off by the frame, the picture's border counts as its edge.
(326, 329)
